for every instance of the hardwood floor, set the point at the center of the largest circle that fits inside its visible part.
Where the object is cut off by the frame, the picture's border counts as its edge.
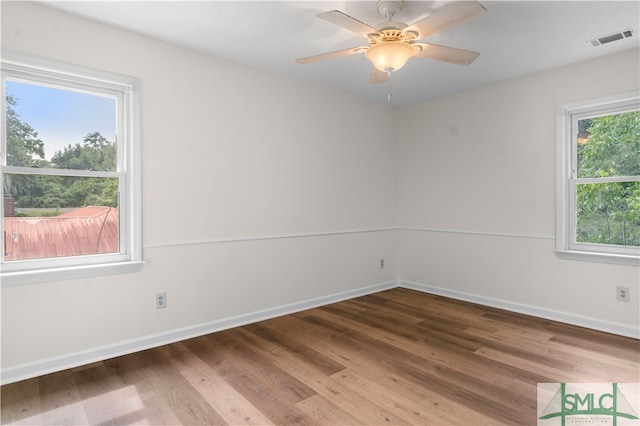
(395, 357)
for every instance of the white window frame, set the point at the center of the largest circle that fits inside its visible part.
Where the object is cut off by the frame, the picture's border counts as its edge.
(27, 69)
(567, 117)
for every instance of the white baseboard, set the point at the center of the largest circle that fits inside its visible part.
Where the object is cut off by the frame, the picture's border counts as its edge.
(581, 321)
(75, 359)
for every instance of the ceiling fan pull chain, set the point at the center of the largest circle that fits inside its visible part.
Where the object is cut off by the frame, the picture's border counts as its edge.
(390, 88)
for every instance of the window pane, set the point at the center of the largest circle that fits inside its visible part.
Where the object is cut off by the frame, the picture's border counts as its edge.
(56, 216)
(52, 127)
(608, 213)
(609, 146)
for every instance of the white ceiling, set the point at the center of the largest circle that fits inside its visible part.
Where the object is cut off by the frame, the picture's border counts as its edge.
(514, 38)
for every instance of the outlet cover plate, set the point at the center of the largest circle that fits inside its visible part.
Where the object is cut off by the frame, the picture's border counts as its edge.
(622, 293)
(161, 300)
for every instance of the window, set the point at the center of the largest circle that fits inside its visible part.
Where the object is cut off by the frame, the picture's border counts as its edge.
(598, 180)
(70, 172)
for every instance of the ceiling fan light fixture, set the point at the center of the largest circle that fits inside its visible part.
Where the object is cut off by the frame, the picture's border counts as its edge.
(389, 56)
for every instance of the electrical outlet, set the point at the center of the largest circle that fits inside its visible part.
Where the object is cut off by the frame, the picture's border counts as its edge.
(381, 263)
(161, 300)
(622, 293)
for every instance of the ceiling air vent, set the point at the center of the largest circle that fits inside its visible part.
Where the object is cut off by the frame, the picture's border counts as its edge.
(612, 37)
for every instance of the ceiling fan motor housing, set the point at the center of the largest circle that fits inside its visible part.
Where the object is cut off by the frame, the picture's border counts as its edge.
(391, 34)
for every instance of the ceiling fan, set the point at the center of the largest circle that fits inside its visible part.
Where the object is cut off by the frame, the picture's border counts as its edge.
(394, 43)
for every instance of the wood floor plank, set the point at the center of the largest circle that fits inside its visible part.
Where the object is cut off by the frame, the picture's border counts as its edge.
(220, 395)
(232, 406)
(441, 354)
(106, 397)
(254, 381)
(133, 370)
(252, 354)
(454, 313)
(291, 343)
(388, 337)
(368, 411)
(413, 403)
(377, 319)
(488, 400)
(451, 382)
(21, 403)
(176, 392)
(61, 403)
(552, 374)
(394, 357)
(326, 412)
(619, 347)
(561, 353)
(397, 405)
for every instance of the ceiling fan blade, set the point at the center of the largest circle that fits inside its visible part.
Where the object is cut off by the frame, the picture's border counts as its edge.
(379, 76)
(446, 54)
(331, 55)
(449, 15)
(345, 21)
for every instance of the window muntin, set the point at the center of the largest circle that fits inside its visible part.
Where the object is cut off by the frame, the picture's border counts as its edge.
(598, 190)
(76, 183)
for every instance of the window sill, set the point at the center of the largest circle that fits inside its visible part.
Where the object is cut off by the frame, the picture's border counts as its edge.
(12, 279)
(585, 256)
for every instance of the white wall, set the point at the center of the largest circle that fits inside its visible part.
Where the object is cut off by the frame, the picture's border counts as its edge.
(477, 181)
(233, 156)
(228, 153)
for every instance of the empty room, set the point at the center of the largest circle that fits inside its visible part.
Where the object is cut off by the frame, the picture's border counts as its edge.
(320, 212)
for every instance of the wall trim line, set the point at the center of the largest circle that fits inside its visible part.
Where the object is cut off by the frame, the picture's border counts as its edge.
(481, 233)
(266, 237)
(344, 232)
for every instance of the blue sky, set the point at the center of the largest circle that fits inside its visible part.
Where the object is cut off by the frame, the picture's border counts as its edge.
(62, 117)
